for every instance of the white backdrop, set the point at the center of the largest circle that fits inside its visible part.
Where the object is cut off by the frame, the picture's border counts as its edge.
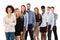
(34, 3)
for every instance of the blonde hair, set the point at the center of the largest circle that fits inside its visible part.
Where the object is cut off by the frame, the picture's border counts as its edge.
(17, 15)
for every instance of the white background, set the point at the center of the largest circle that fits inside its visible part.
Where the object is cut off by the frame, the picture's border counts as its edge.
(34, 3)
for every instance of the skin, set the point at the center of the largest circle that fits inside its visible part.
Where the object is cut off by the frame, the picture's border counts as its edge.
(48, 10)
(22, 33)
(9, 14)
(17, 13)
(43, 11)
(36, 12)
(28, 9)
(43, 34)
(52, 11)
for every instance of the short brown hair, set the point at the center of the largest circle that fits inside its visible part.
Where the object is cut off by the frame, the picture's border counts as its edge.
(52, 7)
(48, 7)
(28, 4)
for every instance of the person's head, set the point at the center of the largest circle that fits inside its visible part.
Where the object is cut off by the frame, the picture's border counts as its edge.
(36, 10)
(28, 6)
(9, 9)
(52, 9)
(48, 9)
(43, 9)
(16, 11)
(23, 9)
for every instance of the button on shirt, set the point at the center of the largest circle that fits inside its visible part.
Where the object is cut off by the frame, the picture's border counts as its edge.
(44, 20)
(9, 23)
(31, 18)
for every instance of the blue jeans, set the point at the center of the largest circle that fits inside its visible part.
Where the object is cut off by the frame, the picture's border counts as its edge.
(10, 35)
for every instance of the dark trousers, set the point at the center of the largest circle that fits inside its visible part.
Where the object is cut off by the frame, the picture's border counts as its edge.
(49, 32)
(55, 32)
(30, 26)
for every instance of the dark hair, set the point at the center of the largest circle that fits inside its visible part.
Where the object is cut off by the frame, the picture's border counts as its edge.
(52, 7)
(24, 10)
(42, 7)
(28, 4)
(10, 6)
(48, 7)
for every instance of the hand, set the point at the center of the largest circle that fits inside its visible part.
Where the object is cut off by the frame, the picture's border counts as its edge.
(26, 29)
(32, 29)
(6, 22)
(51, 29)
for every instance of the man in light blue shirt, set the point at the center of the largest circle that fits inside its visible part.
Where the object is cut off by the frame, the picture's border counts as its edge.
(31, 22)
(50, 20)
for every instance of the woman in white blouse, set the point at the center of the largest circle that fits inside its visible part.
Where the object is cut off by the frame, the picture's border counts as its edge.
(9, 23)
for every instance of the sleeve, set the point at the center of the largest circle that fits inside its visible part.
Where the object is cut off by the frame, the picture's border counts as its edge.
(4, 22)
(13, 23)
(40, 20)
(52, 24)
(34, 20)
(26, 20)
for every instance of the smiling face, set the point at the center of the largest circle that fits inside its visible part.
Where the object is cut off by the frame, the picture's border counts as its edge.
(43, 10)
(23, 9)
(9, 10)
(17, 11)
(36, 11)
(48, 9)
(52, 10)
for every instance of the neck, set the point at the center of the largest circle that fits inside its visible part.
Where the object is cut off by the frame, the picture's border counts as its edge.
(9, 15)
(28, 10)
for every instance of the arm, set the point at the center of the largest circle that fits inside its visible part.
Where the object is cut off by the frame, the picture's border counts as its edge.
(34, 20)
(13, 23)
(40, 20)
(52, 24)
(5, 23)
(26, 20)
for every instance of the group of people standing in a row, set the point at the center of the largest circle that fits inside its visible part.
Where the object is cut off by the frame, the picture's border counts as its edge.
(23, 21)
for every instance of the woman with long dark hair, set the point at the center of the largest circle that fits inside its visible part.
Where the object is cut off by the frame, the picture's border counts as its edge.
(38, 23)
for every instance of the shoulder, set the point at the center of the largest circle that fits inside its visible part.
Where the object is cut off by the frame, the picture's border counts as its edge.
(55, 14)
(13, 16)
(5, 16)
